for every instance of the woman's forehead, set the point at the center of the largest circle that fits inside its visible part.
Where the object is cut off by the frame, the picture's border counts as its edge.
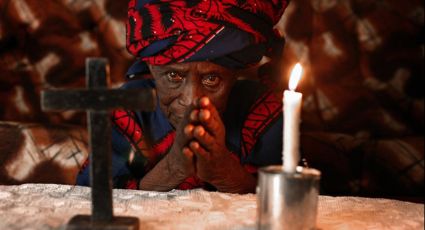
(202, 66)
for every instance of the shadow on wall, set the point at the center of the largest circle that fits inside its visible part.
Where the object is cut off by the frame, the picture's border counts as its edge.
(32, 153)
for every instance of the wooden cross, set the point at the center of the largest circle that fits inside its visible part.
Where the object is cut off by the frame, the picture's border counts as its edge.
(98, 101)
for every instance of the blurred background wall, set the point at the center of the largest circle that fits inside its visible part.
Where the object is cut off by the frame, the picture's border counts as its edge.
(44, 43)
(363, 112)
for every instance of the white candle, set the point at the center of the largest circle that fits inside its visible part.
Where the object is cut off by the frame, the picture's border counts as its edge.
(292, 111)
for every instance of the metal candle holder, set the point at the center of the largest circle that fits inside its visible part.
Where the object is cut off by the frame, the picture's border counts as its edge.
(287, 200)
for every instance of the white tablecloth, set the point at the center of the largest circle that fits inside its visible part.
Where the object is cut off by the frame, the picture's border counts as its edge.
(47, 206)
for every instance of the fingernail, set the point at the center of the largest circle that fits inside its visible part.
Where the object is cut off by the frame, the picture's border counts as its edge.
(205, 115)
(188, 129)
(194, 144)
(187, 152)
(200, 131)
(205, 101)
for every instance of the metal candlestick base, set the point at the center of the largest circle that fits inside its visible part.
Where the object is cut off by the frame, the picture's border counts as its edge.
(85, 222)
(287, 200)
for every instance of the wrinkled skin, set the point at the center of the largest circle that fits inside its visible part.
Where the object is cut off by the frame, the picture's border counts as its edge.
(180, 85)
(193, 96)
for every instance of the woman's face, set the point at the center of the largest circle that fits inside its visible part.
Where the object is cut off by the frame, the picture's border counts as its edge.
(179, 85)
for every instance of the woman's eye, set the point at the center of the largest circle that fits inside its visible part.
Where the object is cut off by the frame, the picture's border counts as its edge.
(174, 77)
(211, 80)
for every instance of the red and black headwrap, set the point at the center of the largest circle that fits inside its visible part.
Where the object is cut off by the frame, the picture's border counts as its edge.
(233, 33)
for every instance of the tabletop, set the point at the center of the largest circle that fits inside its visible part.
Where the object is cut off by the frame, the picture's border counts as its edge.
(50, 206)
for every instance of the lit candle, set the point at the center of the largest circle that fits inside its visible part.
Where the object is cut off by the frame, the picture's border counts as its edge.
(292, 111)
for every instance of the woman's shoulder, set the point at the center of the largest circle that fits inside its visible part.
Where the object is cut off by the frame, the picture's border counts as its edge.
(252, 109)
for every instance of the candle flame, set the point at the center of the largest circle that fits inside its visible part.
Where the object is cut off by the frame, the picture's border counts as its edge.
(295, 76)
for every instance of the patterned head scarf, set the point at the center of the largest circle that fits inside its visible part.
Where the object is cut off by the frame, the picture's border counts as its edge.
(232, 33)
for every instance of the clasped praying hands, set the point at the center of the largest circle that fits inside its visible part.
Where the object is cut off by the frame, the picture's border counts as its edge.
(206, 148)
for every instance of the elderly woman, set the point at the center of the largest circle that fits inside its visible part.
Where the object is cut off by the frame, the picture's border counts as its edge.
(211, 129)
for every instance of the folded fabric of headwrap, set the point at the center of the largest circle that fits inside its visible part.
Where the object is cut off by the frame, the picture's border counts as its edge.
(231, 33)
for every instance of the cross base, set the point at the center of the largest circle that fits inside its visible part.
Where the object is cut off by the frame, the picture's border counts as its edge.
(84, 222)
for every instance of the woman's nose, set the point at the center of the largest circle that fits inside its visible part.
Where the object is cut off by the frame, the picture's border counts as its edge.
(189, 94)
